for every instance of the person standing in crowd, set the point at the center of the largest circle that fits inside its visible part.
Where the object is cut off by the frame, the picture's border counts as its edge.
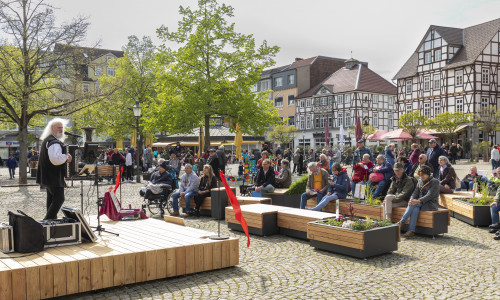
(175, 163)
(296, 157)
(129, 165)
(213, 161)
(278, 151)
(265, 155)
(323, 162)
(433, 154)
(12, 165)
(221, 155)
(317, 184)
(453, 153)
(148, 158)
(188, 189)
(495, 157)
(288, 155)
(208, 181)
(415, 153)
(52, 168)
(399, 192)
(359, 152)
(389, 154)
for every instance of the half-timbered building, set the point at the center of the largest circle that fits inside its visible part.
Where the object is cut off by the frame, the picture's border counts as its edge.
(453, 69)
(352, 91)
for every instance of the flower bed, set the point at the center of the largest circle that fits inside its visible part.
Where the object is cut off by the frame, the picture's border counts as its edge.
(363, 210)
(354, 237)
(473, 211)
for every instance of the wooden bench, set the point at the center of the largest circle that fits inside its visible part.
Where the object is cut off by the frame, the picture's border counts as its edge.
(476, 215)
(107, 171)
(210, 205)
(429, 222)
(205, 208)
(278, 197)
(293, 221)
(253, 200)
(261, 218)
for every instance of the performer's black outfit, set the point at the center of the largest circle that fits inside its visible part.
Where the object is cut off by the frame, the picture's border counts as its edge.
(51, 177)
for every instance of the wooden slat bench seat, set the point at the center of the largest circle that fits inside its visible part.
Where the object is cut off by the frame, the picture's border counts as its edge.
(253, 200)
(261, 218)
(205, 208)
(210, 205)
(429, 222)
(293, 221)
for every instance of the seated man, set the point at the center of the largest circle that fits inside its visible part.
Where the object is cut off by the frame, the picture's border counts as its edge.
(160, 177)
(264, 183)
(494, 209)
(422, 160)
(188, 189)
(284, 178)
(361, 171)
(425, 197)
(467, 183)
(406, 164)
(386, 169)
(338, 187)
(400, 190)
(317, 184)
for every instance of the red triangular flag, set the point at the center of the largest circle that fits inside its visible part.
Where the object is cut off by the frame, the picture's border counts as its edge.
(236, 207)
(118, 179)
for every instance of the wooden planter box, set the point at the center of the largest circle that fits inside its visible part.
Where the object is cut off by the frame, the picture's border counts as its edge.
(476, 215)
(363, 210)
(261, 219)
(360, 244)
(293, 221)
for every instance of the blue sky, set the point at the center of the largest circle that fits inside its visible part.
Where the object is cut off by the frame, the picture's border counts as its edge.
(383, 32)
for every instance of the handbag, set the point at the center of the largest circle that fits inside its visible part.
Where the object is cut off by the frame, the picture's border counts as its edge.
(376, 177)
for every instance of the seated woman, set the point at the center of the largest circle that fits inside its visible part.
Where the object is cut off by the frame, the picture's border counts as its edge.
(406, 164)
(425, 197)
(361, 172)
(284, 178)
(338, 187)
(447, 176)
(208, 181)
(384, 168)
(264, 182)
(323, 163)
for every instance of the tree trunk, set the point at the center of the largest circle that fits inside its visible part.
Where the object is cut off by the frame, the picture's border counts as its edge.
(23, 152)
(207, 132)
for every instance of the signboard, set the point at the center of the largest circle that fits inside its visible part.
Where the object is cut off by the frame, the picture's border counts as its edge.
(9, 144)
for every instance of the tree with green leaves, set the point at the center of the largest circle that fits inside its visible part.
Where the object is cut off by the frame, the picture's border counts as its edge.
(283, 134)
(447, 123)
(488, 120)
(412, 122)
(40, 73)
(366, 129)
(134, 80)
(210, 74)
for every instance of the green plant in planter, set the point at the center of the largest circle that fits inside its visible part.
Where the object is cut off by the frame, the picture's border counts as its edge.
(369, 196)
(298, 187)
(356, 224)
(483, 197)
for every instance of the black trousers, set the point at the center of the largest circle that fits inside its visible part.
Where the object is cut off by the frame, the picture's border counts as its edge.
(130, 172)
(198, 199)
(55, 199)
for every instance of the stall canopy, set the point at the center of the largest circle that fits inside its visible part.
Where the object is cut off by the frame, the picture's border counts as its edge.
(377, 135)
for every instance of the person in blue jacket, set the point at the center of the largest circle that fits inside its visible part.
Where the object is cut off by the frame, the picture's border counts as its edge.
(339, 187)
(433, 154)
(12, 165)
(385, 168)
(389, 154)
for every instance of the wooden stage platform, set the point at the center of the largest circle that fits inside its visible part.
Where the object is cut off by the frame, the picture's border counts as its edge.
(145, 250)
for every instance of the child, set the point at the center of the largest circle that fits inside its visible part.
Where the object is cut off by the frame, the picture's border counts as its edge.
(241, 170)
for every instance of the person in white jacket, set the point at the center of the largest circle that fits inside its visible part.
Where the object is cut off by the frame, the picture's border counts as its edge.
(129, 166)
(495, 158)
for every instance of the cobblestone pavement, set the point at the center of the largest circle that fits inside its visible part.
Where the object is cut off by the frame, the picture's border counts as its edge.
(462, 264)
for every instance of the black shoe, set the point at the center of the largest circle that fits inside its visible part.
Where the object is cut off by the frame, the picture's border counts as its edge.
(196, 212)
(497, 238)
(495, 226)
(494, 230)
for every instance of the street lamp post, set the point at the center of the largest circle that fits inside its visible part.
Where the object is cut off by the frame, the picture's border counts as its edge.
(137, 113)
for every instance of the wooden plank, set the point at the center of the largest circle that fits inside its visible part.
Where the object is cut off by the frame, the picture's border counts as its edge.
(190, 257)
(96, 272)
(84, 283)
(342, 242)
(60, 280)
(152, 264)
(217, 255)
(180, 255)
(107, 271)
(174, 220)
(172, 262)
(140, 267)
(33, 283)
(336, 231)
(333, 237)
(129, 268)
(18, 284)
(72, 284)
(225, 258)
(208, 257)
(6, 284)
(234, 252)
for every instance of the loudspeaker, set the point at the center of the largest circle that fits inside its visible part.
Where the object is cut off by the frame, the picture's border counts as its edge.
(28, 233)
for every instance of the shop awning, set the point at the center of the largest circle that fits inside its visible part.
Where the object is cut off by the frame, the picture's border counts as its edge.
(160, 144)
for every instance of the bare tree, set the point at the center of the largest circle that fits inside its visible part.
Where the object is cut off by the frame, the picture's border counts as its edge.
(40, 67)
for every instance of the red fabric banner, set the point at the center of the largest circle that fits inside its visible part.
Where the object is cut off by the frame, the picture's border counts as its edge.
(236, 207)
(118, 179)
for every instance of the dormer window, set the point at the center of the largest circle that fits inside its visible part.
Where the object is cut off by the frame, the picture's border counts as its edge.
(437, 55)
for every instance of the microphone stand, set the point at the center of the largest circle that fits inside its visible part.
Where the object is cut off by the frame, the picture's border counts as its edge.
(99, 202)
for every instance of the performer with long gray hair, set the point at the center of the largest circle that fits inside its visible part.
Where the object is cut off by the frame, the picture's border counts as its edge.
(51, 167)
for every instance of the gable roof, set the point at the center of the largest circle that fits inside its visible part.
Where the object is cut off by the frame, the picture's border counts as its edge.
(473, 40)
(358, 78)
(91, 53)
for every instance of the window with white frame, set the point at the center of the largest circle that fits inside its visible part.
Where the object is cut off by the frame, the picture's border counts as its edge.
(340, 119)
(347, 98)
(291, 79)
(485, 76)
(324, 101)
(98, 71)
(278, 102)
(330, 120)
(427, 109)
(278, 81)
(408, 86)
(109, 57)
(436, 81)
(437, 55)
(302, 123)
(460, 105)
(391, 100)
(375, 119)
(437, 108)
(427, 83)
(390, 123)
(484, 102)
(322, 120)
(427, 57)
(291, 99)
(375, 99)
(308, 102)
(308, 122)
(316, 121)
(85, 87)
(341, 99)
(459, 78)
(253, 89)
(111, 72)
(291, 120)
(347, 119)
(264, 85)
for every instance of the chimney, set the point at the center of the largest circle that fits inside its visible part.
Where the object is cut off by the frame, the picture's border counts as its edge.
(298, 58)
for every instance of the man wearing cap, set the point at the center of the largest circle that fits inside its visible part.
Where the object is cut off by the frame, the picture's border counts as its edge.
(188, 189)
(400, 190)
(433, 154)
(360, 151)
(425, 197)
(213, 161)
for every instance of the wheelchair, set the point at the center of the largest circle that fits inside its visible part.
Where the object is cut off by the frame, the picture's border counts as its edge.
(157, 203)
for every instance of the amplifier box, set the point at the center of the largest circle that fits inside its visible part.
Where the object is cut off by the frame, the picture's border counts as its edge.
(61, 232)
(6, 238)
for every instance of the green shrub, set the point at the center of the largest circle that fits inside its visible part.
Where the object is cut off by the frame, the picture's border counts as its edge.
(299, 186)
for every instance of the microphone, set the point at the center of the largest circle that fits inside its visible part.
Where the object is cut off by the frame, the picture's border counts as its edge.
(72, 134)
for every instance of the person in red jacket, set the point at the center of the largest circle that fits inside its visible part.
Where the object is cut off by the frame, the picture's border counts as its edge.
(361, 171)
